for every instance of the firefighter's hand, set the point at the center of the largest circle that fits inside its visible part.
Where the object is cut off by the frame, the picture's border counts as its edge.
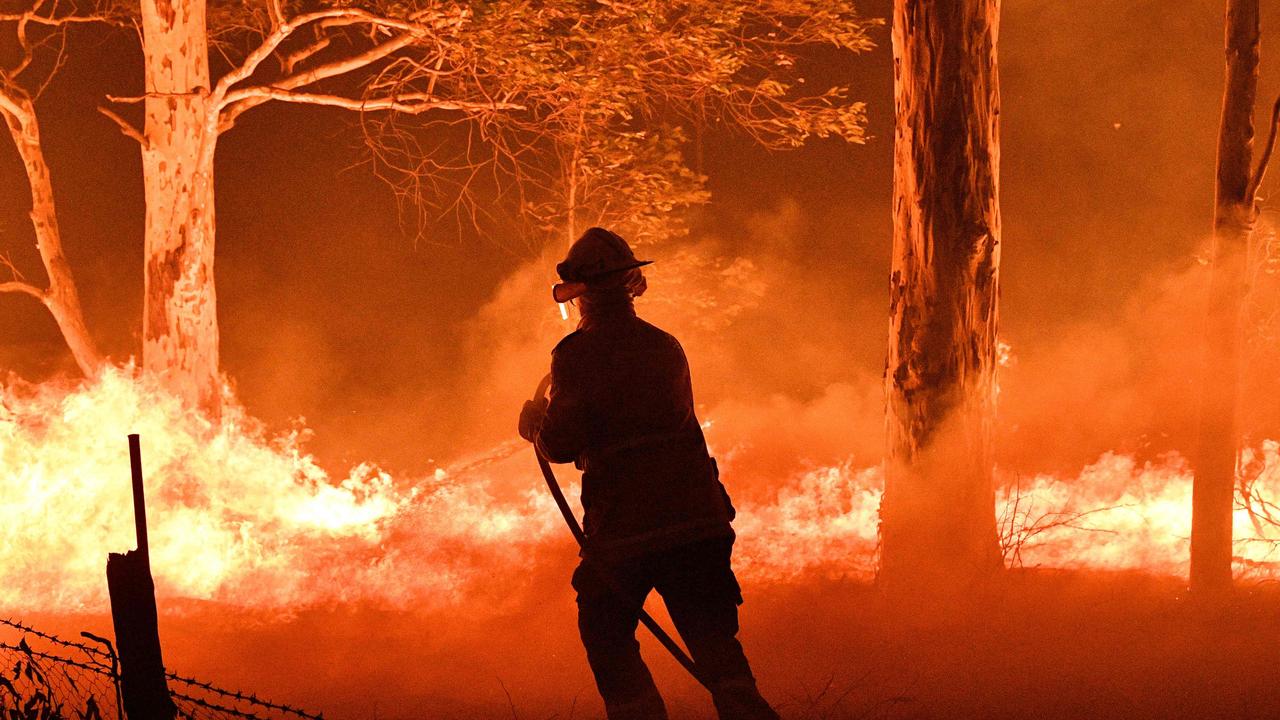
(531, 417)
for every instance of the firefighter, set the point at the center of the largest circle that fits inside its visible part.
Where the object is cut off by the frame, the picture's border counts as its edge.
(656, 515)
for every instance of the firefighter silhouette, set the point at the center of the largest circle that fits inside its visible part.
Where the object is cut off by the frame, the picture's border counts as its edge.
(656, 514)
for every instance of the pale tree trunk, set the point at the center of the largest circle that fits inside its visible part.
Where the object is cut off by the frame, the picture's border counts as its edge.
(1233, 220)
(571, 184)
(938, 514)
(61, 297)
(180, 328)
(571, 203)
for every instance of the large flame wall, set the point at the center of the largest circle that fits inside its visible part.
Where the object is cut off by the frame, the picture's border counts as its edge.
(244, 517)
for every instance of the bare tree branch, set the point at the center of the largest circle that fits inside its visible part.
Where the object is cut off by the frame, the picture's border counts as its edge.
(135, 99)
(11, 103)
(28, 52)
(331, 17)
(345, 65)
(1261, 172)
(32, 17)
(276, 11)
(125, 127)
(18, 286)
(410, 103)
(238, 102)
(46, 16)
(290, 62)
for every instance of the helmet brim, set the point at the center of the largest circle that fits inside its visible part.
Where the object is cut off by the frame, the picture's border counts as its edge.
(624, 268)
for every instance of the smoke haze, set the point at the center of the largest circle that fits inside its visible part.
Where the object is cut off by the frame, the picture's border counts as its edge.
(414, 355)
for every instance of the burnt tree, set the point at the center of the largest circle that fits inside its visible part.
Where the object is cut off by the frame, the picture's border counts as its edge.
(938, 514)
(1234, 214)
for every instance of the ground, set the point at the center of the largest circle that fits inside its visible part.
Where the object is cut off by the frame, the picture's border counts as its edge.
(1046, 645)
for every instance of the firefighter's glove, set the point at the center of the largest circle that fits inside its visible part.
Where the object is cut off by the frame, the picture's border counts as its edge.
(531, 417)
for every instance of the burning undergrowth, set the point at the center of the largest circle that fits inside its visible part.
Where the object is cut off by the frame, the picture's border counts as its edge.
(236, 514)
(244, 516)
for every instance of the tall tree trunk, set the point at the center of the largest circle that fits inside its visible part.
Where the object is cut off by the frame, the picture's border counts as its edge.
(1233, 220)
(180, 326)
(938, 514)
(61, 298)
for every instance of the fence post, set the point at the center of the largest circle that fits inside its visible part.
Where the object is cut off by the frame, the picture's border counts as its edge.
(133, 612)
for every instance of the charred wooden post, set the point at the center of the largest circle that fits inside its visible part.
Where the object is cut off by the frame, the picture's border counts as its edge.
(938, 515)
(1234, 212)
(133, 613)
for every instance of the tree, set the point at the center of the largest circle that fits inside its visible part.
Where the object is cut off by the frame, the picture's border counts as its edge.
(39, 36)
(635, 182)
(185, 112)
(1234, 215)
(938, 512)
(411, 58)
(528, 81)
(613, 111)
(471, 62)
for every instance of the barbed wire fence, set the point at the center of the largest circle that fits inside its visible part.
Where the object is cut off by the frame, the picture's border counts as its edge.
(46, 677)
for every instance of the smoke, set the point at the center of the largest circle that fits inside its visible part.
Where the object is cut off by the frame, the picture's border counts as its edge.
(1121, 383)
(405, 360)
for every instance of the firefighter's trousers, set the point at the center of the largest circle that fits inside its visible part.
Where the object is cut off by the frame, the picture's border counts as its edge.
(702, 596)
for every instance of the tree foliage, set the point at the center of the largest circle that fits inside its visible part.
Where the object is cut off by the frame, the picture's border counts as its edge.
(587, 104)
(609, 94)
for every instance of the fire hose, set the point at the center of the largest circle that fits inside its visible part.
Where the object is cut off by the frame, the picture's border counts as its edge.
(571, 520)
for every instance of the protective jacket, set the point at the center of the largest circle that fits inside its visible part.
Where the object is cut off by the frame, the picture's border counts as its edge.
(621, 408)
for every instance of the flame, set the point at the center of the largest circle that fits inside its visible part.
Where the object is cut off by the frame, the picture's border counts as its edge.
(239, 515)
(234, 515)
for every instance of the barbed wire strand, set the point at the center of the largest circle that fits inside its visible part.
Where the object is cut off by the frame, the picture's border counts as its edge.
(96, 664)
(91, 650)
(238, 695)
